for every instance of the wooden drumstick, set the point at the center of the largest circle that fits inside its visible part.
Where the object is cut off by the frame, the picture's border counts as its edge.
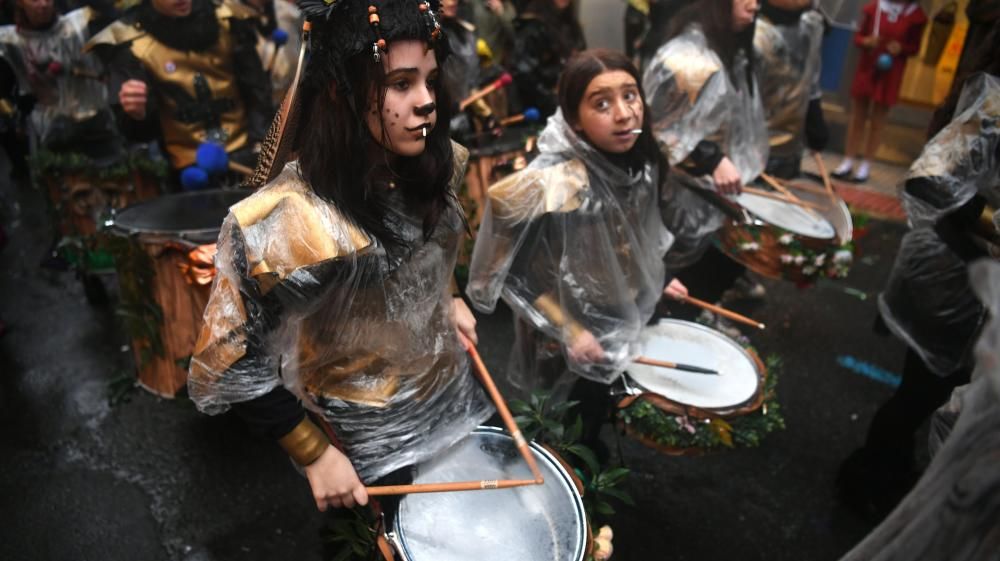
(807, 206)
(484, 485)
(825, 175)
(721, 311)
(781, 189)
(501, 404)
(240, 168)
(503, 81)
(674, 365)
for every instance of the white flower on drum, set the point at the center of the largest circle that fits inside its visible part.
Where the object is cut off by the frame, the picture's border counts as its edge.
(785, 239)
(843, 257)
(786, 258)
(749, 246)
(799, 259)
(808, 270)
(819, 260)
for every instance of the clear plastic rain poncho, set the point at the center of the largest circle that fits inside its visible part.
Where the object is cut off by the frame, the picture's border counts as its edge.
(573, 242)
(952, 511)
(304, 299)
(788, 58)
(51, 65)
(692, 98)
(927, 301)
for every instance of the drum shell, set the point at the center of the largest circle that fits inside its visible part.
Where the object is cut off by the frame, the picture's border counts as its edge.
(557, 473)
(766, 260)
(173, 254)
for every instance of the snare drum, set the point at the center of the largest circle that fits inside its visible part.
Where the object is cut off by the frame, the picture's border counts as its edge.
(686, 399)
(787, 241)
(164, 255)
(542, 522)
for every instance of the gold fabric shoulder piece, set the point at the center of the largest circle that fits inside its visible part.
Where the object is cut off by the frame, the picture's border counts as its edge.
(534, 192)
(235, 10)
(691, 69)
(286, 226)
(118, 33)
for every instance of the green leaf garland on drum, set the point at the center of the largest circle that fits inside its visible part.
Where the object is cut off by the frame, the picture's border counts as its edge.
(688, 436)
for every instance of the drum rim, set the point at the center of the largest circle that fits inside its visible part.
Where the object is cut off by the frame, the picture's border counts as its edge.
(564, 477)
(718, 410)
(194, 234)
(841, 206)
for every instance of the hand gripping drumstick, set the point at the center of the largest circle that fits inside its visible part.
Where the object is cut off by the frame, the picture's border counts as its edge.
(721, 311)
(504, 80)
(498, 400)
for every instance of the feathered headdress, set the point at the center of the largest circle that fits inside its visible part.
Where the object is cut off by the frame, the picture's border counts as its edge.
(334, 32)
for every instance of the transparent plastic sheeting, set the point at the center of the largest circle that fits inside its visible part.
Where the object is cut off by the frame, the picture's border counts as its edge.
(788, 58)
(692, 98)
(305, 299)
(927, 301)
(952, 511)
(571, 243)
(73, 92)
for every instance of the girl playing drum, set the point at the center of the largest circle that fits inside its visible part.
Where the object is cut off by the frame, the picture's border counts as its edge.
(574, 244)
(333, 278)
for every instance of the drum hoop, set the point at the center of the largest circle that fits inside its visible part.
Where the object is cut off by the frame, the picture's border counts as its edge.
(395, 537)
(663, 402)
(194, 236)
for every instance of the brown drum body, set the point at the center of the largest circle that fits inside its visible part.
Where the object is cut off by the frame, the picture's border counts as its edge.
(164, 255)
(490, 162)
(80, 200)
(774, 252)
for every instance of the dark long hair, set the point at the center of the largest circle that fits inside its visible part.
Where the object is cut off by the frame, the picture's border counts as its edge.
(983, 59)
(580, 70)
(335, 153)
(716, 20)
(563, 25)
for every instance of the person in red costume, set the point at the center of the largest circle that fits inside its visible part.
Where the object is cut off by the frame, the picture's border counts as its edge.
(890, 32)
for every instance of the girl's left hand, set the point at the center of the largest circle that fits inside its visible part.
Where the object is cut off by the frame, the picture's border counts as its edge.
(676, 290)
(465, 322)
(894, 48)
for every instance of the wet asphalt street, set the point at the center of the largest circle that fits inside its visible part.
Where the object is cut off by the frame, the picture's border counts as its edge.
(151, 479)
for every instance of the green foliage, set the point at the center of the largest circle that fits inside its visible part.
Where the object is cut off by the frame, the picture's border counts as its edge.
(351, 534)
(679, 432)
(137, 309)
(545, 421)
(121, 388)
(48, 163)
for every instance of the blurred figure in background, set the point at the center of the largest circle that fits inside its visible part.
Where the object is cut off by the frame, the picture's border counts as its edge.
(494, 21)
(890, 32)
(547, 34)
(279, 37)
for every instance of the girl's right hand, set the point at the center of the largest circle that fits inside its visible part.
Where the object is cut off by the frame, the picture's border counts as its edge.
(727, 178)
(585, 348)
(870, 41)
(334, 481)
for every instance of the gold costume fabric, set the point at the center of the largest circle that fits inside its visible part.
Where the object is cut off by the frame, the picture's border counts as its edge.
(927, 301)
(692, 98)
(572, 242)
(305, 299)
(73, 92)
(788, 58)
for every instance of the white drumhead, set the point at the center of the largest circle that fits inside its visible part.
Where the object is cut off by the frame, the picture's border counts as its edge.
(534, 523)
(690, 343)
(788, 216)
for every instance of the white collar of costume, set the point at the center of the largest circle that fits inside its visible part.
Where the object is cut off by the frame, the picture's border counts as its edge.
(892, 10)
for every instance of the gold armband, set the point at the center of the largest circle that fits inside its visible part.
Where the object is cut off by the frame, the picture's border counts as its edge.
(306, 443)
(555, 314)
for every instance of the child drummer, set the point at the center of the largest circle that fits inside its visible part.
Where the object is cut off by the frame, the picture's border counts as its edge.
(574, 244)
(332, 293)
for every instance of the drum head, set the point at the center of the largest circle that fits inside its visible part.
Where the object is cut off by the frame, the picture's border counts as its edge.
(690, 343)
(542, 522)
(195, 216)
(788, 216)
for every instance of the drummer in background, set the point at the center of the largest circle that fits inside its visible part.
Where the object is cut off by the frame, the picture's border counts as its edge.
(574, 243)
(547, 33)
(461, 72)
(787, 43)
(951, 196)
(279, 32)
(186, 72)
(709, 122)
(332, 292)
(494, 21)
